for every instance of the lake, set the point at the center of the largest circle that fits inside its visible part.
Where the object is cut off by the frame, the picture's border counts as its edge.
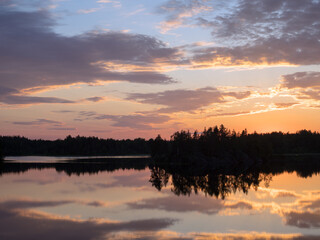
(51, 199)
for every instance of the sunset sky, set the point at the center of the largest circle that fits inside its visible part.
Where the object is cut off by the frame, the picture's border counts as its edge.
(136, 68)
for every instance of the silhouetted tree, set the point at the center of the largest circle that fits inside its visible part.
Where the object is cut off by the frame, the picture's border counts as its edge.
(1, 154)
(74, 146)
(220, 143)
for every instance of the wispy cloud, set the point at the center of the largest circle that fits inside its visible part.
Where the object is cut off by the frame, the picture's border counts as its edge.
(142, 121)
(38, 122)
(116, 4)
(186, 100)
(178, 12)
(90, 10)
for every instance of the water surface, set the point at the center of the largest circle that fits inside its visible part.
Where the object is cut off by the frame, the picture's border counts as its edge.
(148, 202)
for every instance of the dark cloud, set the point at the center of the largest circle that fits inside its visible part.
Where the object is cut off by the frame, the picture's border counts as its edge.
(62, 129)
(21, 204)
(301, 50)
(33, 56)
(285, 105)
(16, 99)
(135, 121)
(263, 32)
(185, 100)
(94, 99)
(141, 121)
(301, 80)
(306, 85)
(313, 94)
(39, 121)
(313, 204)
(26, 224)
(180, 99)
(13, 96)
(303, 219)
(238, 95)
(240, 204)
(256, 19)
(87, 113)
(36, 181)
(192, 203)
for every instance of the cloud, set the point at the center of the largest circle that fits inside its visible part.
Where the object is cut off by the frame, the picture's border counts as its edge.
(95, 99)
(62, 129)
(143, 121)
(63, 111)
(255, 32)
(180, 99)
(135, 121)
(169, 235)
(136, 181)
(271, 51)
(97, 204)
(285, 105)
(13, 96)
(251, 236)
(38, 122)
(90, 10)
(229, 114)
(21, 204)
(135, 12)
(27, 224)
(240, 204)
(311, 204)
(19, 100)
(185, 100)
(279, 193)
(116, 4)
(34, 56)
(301, 80)
(205, 205)
(304, 85)
(179, 11)
(256, 19)
(305, 219)
(174, 203)
(309, 94)
(238, 95)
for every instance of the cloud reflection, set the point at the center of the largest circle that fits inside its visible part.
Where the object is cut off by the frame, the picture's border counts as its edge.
(30, 224)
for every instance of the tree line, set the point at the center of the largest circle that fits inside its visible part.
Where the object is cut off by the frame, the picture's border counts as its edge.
(212, 143)
(72, 146)
(219, 143)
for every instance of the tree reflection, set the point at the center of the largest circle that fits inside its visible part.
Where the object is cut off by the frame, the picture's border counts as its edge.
(213, 184)
(221, 181)
(159, 178)
(213, 180)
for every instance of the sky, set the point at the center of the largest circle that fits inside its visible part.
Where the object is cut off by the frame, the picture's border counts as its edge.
(138, 68)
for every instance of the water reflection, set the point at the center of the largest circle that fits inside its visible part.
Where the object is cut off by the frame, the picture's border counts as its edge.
(141, 200)
(212, 184)
(77, 166)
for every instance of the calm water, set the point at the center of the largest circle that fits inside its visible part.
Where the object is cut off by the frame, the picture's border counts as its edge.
(46, 202)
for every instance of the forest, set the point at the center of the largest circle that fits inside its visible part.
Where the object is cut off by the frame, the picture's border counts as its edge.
(72, 146)
(220, 145)
(214, 143)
